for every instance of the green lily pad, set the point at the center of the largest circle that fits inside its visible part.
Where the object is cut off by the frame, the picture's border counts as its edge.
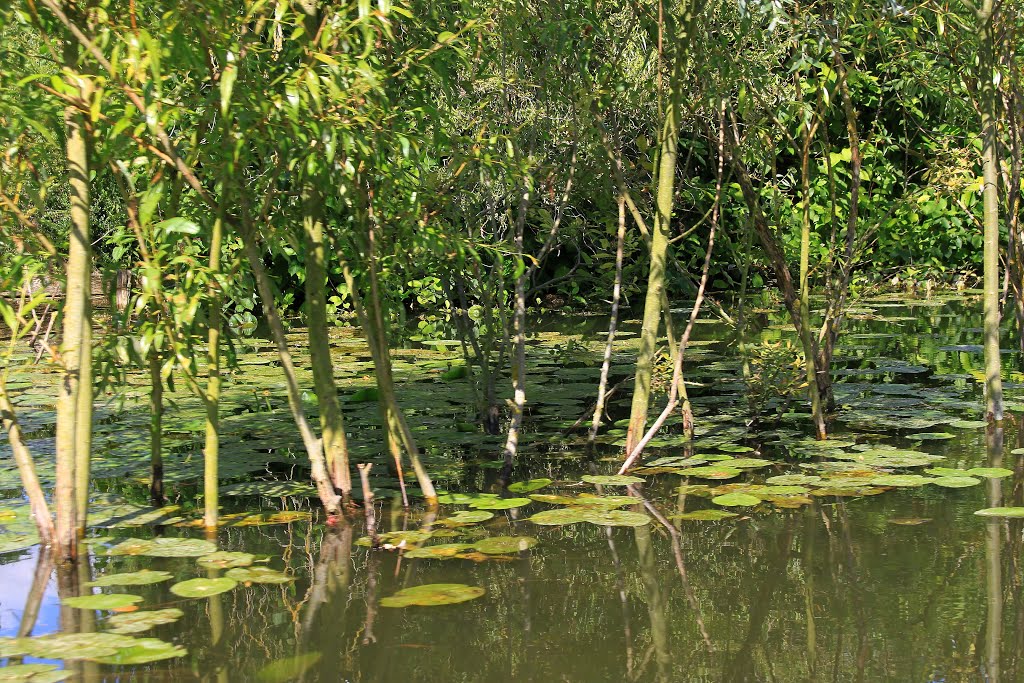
(736, 500)
(144, 651)
(441, 551)
(143, 577)
(749, 463)
(34, 673)
(433, 594)
(499, 503)
(1001, 512)
(931, 436)
(704, 515)
(463, 498)
(164, 547)
(225, 559)
(103, 601)
(899, 480)
(711, 472)
(945, 472)
(398, 539)
(990, 472)
(968, 424)
(955, 482)
(560, 516)
(502, 545)
(611, 479)
(616, 518)
(203, 587)
(529, 486)
(270, 489)
(258, 575)
(288, 669)
(464, 517)
(137, 622)
(793, 480)
(74, 645)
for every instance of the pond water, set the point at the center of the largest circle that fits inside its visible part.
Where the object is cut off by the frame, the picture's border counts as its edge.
(867, 562)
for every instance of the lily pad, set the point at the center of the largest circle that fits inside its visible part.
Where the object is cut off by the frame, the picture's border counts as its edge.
(529, 486)
(225, 559)
(203, 587)
(102, 601)
(143, 577)
(34, 673)
(144, 651)
(955, 482)
(464, 517)
(560, 516)
(711, 472)
(137, 622)
(968, 424)
(793, 480)
(749, 463)
(441, 551)
(736, 500)
(899, 480)
(704, 515)
(617, 518)
(74, 645)
(398, 539)
(463, 498)
(499, 503)
(990, 472)
(433, 594)
(288, 669)
(258, 575)
(611, 479)
(270, 489)
(1001, 512)
(501, 545)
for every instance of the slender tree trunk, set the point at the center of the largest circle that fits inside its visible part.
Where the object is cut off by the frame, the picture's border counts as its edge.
(74, 347)
(810, 352)
(26, 468)
(156, 417)
(211, 447)
(332, 425)
(990, 173)
(314, 447)
(602, 386)
(660, 232)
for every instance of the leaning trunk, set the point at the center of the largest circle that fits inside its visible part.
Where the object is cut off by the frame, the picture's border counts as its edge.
(332, 426)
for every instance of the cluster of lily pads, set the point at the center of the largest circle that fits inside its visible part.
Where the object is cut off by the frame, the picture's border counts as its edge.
(118, 644)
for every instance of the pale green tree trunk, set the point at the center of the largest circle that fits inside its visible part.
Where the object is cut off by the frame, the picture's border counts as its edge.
(990, 175)
(660, 231)
(332, 425)
(211, 447)
(74, 347)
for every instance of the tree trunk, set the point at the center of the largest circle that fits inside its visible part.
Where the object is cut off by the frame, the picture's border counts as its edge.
(660, 232)
(74, 346)
(332, 425)
(314, 447)
(990, 173)
(612, 323)
(26, 469)
(211, 447)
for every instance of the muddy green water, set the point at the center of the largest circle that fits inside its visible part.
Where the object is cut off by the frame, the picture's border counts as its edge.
(908, 585)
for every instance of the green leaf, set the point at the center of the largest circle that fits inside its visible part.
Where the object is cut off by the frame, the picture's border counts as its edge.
(258, 575)
(1001, 512)
(143, 577)
(736, 500)
(102, 601)
(288, 669)
(203, 588)
(529, 486)
(501, 545)
(179, 225)
(611, 479)
(137, 622)
(433, 594)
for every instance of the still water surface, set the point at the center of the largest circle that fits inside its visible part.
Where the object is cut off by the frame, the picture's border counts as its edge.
(908, 585)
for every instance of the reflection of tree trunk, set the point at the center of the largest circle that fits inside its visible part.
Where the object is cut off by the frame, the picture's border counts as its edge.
(993, 563)
(620, 586)
(41, 579)
(156, 416)
(742, 666)
(371, 598)
(656, 605)
(808, 563)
